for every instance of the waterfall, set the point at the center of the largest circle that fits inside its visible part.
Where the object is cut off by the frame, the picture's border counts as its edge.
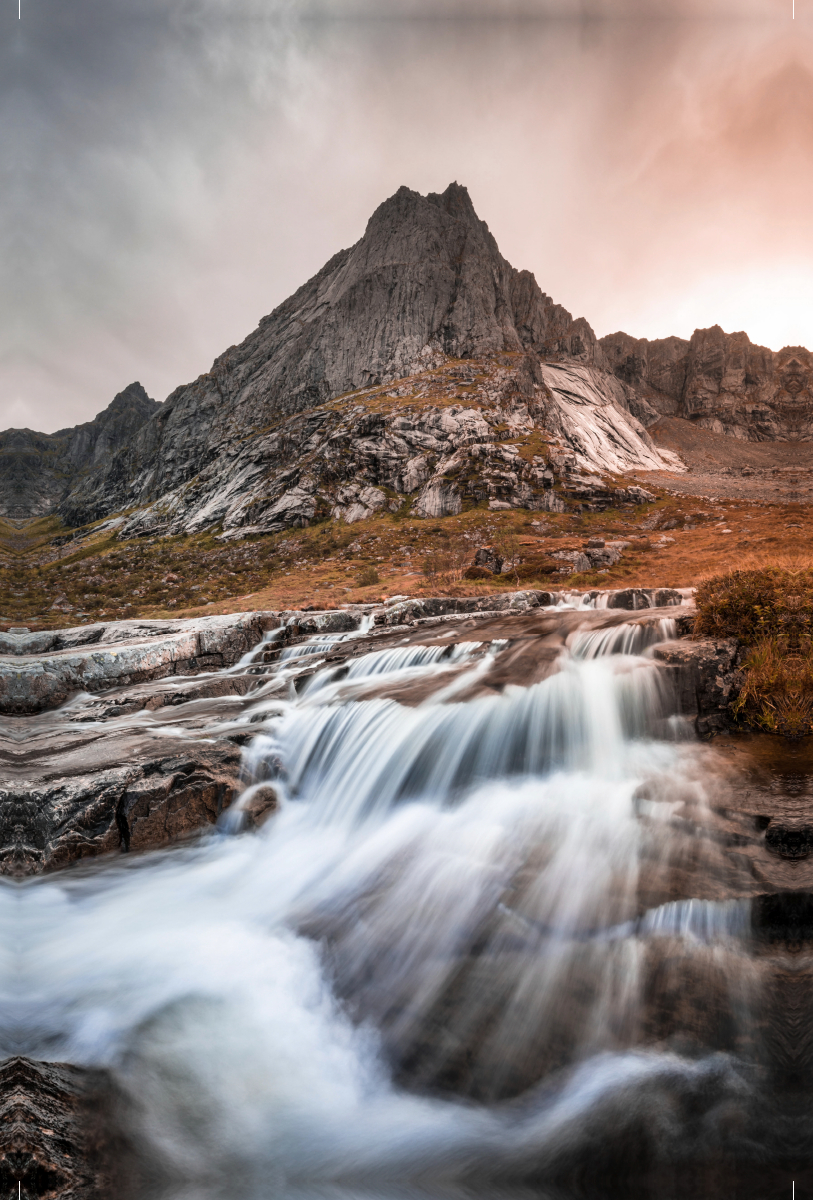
(444, 958)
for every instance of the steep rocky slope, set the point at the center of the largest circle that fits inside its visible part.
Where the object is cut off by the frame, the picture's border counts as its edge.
(423, 313)
(38, 470)
(720, 381)
(502, 431)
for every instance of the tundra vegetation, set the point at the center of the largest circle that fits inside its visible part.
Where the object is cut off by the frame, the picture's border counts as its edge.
(770, 611)
(53, 577)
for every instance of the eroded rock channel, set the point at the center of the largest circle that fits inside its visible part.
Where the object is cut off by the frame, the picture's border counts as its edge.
(392, 895)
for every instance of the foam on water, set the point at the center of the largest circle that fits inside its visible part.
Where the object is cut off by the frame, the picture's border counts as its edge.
(254, 992)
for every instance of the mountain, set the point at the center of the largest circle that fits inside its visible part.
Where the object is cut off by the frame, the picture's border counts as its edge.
(423, 308)
(720, 381)
(417, 369)
(38, 470)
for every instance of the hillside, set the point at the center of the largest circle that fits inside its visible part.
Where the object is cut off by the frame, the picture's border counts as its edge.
(38, 470)
(422, 313)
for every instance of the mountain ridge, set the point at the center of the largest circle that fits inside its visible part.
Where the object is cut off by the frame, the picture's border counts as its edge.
(38, 470)
(423, 308)
(720, 381)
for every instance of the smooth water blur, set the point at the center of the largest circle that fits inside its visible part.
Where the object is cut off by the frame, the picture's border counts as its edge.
(442, 922)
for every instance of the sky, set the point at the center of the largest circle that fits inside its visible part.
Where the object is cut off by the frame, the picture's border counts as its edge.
(171, 170)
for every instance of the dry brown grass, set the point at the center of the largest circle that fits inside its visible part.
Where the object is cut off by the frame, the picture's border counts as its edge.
(322, 565)
(771, 611)
(777, 690)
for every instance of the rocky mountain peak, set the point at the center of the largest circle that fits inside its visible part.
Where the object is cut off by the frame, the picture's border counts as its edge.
(38, 470)
(426, 283)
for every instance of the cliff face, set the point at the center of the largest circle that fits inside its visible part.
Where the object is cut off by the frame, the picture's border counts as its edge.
(38, 470)
(426, 283)
(721, 381)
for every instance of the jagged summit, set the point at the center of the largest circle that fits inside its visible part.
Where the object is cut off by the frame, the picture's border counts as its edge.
(253, 443)
(38, 470)
(426, 279)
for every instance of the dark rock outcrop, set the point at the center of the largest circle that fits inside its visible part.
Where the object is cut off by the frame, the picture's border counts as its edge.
(706, 679)
(721, 381)
(38, 470)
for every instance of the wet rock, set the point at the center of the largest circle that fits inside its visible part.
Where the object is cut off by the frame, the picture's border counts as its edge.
(705, 678)
(330, 621)
(261, 805)
(74, 801)
(636, 598)
(594, 417)
(120, 654)
(408, 611)
(63, 1134)
(86, 782)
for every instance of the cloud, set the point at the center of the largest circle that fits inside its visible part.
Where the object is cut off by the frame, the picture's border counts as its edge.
(168, 175)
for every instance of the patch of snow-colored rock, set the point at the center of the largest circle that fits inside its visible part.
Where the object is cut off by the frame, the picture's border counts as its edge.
(590, 406)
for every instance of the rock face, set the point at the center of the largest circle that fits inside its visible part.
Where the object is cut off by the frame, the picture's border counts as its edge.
(706, 679)
(720, 381)
(131, 794)
(435, 443)
(426, 280)
(423, 308)
(40, 671)
(37, 470)
(60, 1134)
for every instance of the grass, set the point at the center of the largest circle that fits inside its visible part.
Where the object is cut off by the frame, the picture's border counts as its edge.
(103, 578)
(770, 610)
(756, 604)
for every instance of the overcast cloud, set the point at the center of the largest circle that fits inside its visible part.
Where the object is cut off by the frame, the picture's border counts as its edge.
(169, 176)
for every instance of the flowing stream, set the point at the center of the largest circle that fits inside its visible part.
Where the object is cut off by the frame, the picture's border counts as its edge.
(479, 944)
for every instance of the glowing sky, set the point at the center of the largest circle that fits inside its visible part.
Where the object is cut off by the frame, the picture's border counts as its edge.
(166, 182)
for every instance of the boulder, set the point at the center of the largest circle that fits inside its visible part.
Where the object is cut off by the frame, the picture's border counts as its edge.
(487, 556)
(705, 678)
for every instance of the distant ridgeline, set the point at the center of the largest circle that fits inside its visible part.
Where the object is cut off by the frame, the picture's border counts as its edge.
(392, 377)
(39, 470)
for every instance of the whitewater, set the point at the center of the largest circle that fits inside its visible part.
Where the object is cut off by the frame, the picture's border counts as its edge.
(432, 968)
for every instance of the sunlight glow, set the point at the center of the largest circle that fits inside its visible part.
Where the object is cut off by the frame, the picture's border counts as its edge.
(772, 304)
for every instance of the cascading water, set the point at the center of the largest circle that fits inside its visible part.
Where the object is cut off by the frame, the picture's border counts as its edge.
(451, 957)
